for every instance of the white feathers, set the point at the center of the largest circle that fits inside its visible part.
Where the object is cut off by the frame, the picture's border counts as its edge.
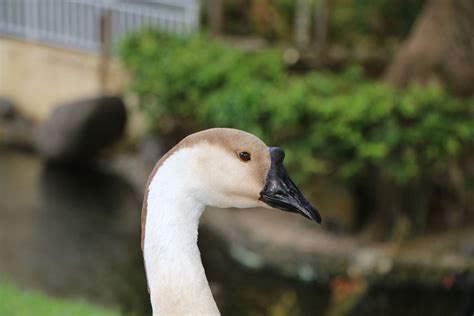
(178, 285)
(189, 180)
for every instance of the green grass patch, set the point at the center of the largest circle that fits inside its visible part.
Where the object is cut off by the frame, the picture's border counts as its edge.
(17, 302)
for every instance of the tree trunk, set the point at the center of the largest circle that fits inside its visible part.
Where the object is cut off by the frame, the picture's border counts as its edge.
(440, 48)
(302, 24)
(215, 13)
(321, 21)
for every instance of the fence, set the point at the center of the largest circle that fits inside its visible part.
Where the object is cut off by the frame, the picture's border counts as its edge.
(86, 24)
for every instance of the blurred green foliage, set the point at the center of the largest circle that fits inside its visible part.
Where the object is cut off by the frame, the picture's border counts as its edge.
(351, 22)
(339, 124)
(375, 22)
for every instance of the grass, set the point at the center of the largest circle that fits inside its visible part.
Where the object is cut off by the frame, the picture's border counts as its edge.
(17, 302)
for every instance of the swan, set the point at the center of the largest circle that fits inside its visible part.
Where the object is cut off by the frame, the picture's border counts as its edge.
(219, 167)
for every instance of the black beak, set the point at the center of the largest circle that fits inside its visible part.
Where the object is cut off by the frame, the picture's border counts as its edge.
(280, 192)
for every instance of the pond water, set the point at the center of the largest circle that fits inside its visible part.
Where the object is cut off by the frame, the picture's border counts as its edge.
(74, 232)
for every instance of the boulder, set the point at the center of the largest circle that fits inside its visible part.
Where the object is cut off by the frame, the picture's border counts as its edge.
(16, 130)
(7, 109)
(79, 130)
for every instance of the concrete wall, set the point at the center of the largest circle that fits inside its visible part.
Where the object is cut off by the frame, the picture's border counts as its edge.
(38, 77)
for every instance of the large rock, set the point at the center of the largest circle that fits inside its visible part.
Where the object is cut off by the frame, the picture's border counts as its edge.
(16, 130)
(7, 109)
(77, 131)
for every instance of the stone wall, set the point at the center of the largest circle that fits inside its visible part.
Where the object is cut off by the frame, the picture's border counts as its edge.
(38, 77)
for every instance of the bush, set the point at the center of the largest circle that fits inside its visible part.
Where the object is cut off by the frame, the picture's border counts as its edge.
(330, 124)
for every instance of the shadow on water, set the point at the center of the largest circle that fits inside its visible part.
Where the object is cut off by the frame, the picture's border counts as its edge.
(75, 232)
(412, 299)
(71, 231)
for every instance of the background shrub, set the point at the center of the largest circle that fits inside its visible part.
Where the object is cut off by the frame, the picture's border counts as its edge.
(331, 124)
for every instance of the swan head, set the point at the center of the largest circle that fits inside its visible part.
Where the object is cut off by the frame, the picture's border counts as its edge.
(236, 169)
(218, 167)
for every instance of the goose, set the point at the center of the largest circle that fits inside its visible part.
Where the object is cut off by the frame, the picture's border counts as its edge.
(219, 167)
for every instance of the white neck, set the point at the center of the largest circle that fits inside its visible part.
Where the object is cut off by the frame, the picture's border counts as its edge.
(176, 277)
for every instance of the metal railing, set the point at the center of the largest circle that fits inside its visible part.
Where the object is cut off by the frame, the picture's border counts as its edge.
(81, 24)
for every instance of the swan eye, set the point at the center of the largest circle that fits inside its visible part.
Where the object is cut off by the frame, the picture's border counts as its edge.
(244, 156)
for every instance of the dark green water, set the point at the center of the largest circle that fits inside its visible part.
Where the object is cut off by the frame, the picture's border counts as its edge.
(74, 232)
